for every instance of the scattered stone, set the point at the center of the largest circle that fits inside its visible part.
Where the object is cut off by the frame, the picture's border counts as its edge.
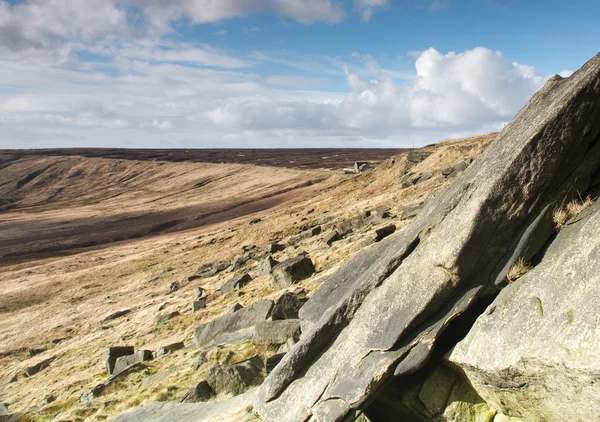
(166, 317)
(173, 287)
(198, 293)
(272, 362)
(332, 237)
(306, 234)
(292, 271)
(266, 265)
(37, 349)
(384, 232)
(40, 366)
(233, 322)
(113, 353)
(170, 348)
(424, 177)
(409, 179)
(287, 307)
(194, 277)
(201, 392)
(116, 315)
(124, 362)
(236, 283)
(255, 221)
(381, 213)
(217, 268)
(59, 340)
(276, 332)
(248, 248)
(199, 304)
(223, 379)
(274, 247)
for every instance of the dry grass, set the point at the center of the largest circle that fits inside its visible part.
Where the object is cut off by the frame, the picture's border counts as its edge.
(564, 213)
(517, 270)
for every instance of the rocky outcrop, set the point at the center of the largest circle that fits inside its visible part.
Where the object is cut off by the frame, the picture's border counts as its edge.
(113, 353)
(276, 332)
(535, 352)
(383, 311)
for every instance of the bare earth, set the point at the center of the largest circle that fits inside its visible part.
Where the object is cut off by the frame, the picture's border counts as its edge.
(86, 233)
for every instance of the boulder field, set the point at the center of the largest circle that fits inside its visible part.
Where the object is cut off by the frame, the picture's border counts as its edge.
(484, 308)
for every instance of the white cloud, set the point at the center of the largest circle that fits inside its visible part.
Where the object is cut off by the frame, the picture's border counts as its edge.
(164, 125)
(366, 7)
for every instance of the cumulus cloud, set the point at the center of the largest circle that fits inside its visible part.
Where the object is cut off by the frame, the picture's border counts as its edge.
(451, 91)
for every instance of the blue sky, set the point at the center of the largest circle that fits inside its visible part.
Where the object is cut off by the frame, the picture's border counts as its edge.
(277, 73)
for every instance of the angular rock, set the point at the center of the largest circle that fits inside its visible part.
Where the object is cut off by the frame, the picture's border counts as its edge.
(534, 354)
(113, 353)
(40, 366)
(201, 392)
(266, 265)
(409, 179)
(236, 283)
(255, 221)
(169, 348)
(199, 304)
(166, 317)
(424, 177)
(217, 268)
(276, 332)
(244, 318)
(291, 271)
(224, 379)
(37, 349)
(198, 293)
(124, 362)
(434, 270)
(287, 307)
(384, 232)
(306, 234)
(332, 237)
(275, 247)
(234, 308)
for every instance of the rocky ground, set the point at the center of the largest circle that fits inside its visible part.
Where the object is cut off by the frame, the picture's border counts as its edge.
(105, 252)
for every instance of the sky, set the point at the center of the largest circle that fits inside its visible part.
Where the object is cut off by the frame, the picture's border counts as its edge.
(278, 73)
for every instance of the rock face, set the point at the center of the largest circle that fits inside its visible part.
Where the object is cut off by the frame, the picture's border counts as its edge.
(535, 353)
(276, 332)
(113, 353)
(383, 311)
(291, 271)
(287, 307)
(231, 322)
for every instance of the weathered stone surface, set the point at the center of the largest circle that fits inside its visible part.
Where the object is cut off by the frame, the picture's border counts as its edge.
(198, 293)
(384, 232)
(266, 265)
(198, 393)
(383, 311)
(161, 319)
(117, 314)
(409, 211)
(123, 362)
(235, 409)
(272, 362)
(287, 307)
(224, 379)
(236, 283)
(244, 318)
(536, 353)
(113, 353)
(236, 307)
(291, 271)
(276, 332)
(169, 348)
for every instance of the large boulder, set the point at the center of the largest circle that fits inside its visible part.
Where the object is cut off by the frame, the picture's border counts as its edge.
(276, 332)
(535, 353)
(234, 379)
(232, 322)
(383, 311)
(113, 353)
(291, 271)
(198, 393)
(287, 307)
(236, 283)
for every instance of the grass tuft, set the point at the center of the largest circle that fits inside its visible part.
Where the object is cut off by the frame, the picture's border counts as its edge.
(518, 269)
(575, 207)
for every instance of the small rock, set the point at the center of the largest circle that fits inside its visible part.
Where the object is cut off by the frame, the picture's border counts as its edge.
(37, 349)
(173, 287)
(113, 353)
(274, 248)
(116, 315)
(40, 366)
(201, 392)
(266, 265)
(291, 271)
(166, 317)
(234, 308)
(286, 307)
(236, 283)
(332, 237)
(255, 221)
(384, 232)
(306, 234)
(224, 379)
(424, 177)
(198, 293)
(199, 304)
(170, 348)
(248, 248)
